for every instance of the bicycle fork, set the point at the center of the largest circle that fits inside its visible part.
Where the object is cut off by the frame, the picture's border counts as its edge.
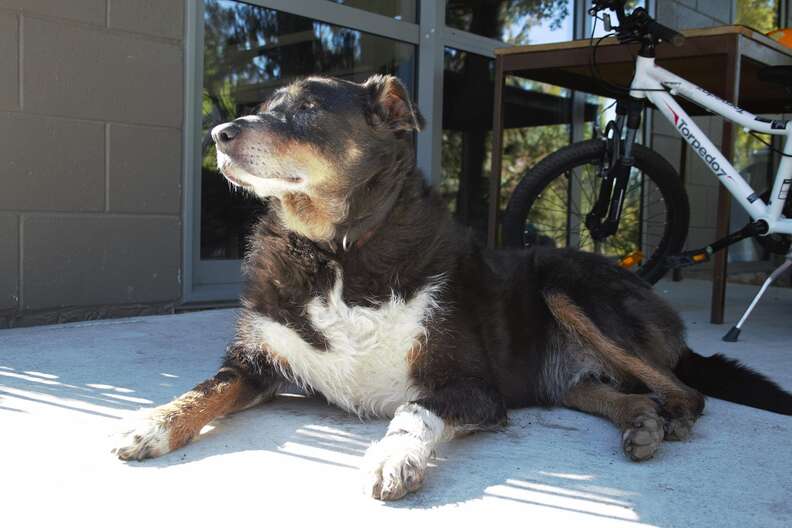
(603, 219)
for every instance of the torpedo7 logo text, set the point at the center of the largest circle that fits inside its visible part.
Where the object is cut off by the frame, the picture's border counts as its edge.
(695, 144)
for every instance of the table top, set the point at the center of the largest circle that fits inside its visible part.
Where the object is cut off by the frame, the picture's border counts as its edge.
(703, 60)
(689, 34)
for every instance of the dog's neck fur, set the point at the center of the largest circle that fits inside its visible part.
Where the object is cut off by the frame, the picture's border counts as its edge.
(416, 240)
(360, 232)
(413, 244)
(374, 201)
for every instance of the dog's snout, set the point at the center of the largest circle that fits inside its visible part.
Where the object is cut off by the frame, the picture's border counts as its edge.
(225, 133)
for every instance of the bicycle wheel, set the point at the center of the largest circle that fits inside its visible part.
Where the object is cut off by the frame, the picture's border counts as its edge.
(552, 201)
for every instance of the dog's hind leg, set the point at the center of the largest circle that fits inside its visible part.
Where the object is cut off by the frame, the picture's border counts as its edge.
(636, 415)
(173, 425)
(680, 405)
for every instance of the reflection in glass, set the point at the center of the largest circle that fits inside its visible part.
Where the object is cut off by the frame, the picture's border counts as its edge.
(399, 9)
(513, 21)
(757, 164)
(752, 157)
(249, 52)
(537, 121)
(761, 15)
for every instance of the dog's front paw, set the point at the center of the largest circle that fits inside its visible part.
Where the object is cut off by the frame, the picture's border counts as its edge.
(145, 437)
(395, 466)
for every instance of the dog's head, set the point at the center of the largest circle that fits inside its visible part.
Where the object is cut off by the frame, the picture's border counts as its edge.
(333, 153)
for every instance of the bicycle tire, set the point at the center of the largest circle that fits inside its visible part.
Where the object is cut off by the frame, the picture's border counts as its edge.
(561, 162)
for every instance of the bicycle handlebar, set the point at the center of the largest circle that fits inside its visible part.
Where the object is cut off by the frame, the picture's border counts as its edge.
(638, 24)
(615, 5)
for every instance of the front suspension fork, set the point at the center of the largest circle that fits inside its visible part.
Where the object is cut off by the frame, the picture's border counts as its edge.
(603, 219)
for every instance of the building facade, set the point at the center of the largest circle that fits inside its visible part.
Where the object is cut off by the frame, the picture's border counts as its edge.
(110, 202)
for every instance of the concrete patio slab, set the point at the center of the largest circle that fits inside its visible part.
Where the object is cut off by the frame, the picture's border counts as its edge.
(64, 389)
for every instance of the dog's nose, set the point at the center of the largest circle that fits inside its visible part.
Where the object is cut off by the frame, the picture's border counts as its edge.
(225, 133)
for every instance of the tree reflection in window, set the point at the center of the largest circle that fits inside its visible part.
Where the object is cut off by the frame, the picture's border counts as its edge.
(761, 15)
(537, 117)
(513, 21)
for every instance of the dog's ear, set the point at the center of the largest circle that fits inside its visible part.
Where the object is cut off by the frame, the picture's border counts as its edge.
(390, 104)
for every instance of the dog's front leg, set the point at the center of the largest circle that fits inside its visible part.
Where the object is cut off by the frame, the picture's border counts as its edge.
(235, 387)
(396, 465)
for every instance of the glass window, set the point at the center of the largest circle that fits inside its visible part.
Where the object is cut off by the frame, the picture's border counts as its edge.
(756, 163)
(513, 21)
(752, 157)
(538, 121)
(405, 10)
(538, 117)
(249, 52)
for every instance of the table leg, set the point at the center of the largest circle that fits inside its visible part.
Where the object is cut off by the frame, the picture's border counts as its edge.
(497, 157)
(676, 275)
(720, 260)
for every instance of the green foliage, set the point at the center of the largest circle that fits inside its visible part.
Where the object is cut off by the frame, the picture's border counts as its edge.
(761, 15)
(748, 149)
(524, 148)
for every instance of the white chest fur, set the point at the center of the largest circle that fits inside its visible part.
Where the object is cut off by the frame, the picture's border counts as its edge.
(366, 368)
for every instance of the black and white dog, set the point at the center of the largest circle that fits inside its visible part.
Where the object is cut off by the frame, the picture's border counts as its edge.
(360, 287)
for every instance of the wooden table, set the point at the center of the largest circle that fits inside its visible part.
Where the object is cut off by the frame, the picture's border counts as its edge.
(724, 60)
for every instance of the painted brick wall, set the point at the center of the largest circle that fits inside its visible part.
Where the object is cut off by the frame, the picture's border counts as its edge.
(91, 104)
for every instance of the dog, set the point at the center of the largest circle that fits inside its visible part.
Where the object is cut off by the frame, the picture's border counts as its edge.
(360, 287)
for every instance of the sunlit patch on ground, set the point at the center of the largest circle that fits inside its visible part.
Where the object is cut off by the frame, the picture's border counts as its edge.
(65, 389)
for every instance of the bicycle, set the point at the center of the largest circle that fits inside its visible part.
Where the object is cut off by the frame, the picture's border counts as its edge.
(630, 181)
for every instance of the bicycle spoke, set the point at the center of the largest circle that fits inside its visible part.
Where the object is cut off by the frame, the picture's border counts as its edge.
(563, 203)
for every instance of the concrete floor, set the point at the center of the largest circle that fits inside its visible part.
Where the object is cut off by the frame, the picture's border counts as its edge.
(64, 389)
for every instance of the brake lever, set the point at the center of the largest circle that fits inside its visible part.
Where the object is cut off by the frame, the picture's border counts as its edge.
(596, 8)
(606, 22)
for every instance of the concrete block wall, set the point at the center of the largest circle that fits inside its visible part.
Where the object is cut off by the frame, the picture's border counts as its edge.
(702, 186)
(91, 113)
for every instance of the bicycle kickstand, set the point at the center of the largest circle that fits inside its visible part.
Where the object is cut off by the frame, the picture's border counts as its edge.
(732, 335)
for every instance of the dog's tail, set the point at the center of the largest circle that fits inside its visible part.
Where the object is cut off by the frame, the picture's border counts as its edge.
(728, 379)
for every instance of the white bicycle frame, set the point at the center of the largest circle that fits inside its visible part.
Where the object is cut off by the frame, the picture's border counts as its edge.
(659, 86)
